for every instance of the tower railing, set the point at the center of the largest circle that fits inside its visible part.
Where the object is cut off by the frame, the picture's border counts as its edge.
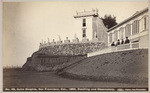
(86, 13)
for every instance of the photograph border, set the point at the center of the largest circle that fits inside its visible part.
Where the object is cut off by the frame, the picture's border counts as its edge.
(1, 36)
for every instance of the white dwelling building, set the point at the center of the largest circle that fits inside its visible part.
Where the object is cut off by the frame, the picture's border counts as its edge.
(91, 27)
(135, 28)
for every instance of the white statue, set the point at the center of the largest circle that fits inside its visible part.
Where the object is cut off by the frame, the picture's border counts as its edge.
(75, 36)
(59, 38)
(96, 11)
(48, 40)
(42, 41)
(95, 35)
(66, 38)
(76, 12)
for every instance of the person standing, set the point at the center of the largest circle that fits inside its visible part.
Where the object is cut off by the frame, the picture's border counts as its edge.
(113, 44)
(122, 41)
(118, 43)
(127, 40)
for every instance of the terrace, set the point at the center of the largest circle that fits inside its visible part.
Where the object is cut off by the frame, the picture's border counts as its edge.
(123, 47)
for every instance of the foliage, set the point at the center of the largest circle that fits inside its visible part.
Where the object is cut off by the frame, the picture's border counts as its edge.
(109, 21)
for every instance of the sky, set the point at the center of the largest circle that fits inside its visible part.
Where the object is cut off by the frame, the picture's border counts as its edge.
(25, 24)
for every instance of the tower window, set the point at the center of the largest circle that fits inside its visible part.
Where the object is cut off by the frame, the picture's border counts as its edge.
(84, 23)
(84, 33)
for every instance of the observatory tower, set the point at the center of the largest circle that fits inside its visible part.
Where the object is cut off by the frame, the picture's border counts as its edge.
(90, 26)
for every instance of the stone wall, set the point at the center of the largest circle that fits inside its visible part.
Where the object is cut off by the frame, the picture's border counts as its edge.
(72, 48)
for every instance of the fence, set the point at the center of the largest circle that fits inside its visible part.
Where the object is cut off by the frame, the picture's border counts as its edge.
(110, 49)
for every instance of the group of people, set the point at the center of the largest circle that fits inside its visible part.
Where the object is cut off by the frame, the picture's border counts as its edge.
(122, 42)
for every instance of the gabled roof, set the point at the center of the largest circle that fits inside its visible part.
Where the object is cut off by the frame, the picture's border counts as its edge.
(130, 18)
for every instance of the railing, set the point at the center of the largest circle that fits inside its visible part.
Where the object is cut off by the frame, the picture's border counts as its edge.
(123, 46)
(86, 13)
(110, 49)
(135, 45)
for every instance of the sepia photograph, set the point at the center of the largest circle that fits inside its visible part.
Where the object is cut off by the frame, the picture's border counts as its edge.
(99, 46)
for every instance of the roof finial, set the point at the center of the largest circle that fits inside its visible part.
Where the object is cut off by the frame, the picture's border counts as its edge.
(96, 10)
(77, 12)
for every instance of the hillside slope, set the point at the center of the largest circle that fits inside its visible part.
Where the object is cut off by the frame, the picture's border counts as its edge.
(125, 66)
(59, 56)
(50, 63)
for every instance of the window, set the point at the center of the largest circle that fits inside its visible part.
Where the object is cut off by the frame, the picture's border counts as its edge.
(128, 30)
(110, 38)
(135, 27)
(116, 35)
(121, 32)
(84, 23)
(145, 23)
(84, 33)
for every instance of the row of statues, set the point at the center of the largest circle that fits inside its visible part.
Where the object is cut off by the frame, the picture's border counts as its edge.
(75, 40)
(67, 41)
(53, 42)
(60, 41)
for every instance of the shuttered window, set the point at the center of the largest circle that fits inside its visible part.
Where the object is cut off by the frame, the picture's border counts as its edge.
(135, 27)
(121, 33)
(110, 37)
(144, 23)
(116, 35)
(128, 30)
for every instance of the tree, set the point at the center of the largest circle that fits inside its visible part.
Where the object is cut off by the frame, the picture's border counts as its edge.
(109, 21)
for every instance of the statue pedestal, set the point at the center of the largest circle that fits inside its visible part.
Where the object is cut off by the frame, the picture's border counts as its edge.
(48, 44)
(95, 39)
(59, 42)
(75, 40)
(66, 41)
(53, 43)
(85, 40)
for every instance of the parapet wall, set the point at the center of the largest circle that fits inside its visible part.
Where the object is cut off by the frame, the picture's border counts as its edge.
(72, 48)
